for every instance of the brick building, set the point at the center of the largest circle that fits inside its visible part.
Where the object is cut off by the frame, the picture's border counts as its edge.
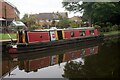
(8, 13)
(46, 19)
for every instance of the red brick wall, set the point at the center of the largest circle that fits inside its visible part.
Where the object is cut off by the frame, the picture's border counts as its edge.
(8, 11)
(0, 9)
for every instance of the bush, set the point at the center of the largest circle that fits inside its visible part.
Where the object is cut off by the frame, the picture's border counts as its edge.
(64, 23)
(118, 27)
(97, 27)
(115, 27)
(32, 28)
(108, 24)
(106, 29)
(74, 25)
(35, 27)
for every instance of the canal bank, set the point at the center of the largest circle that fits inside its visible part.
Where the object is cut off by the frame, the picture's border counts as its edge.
(107, 36)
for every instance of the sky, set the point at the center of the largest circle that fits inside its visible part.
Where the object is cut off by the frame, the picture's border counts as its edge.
(40, 6)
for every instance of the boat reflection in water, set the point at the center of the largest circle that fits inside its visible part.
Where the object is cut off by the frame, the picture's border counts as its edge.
(35, 64)
(34, 61)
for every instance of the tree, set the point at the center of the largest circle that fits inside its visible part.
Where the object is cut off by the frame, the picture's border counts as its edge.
(53, 23)
(78, 7)
(64, 23)
(96, 12)
(74, 24)
(28, 20)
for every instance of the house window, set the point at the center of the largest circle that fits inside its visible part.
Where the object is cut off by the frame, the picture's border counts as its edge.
(82, 33)
(92, 32)
(72, 34)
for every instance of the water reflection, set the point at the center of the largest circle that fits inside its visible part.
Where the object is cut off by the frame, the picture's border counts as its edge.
(35, 64)
(91, 60)
(103, 65)
(32, 62)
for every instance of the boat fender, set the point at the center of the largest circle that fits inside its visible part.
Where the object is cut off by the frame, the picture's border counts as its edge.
(14, 46)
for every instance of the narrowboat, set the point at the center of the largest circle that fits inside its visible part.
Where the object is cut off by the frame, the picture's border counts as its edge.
(42, 39)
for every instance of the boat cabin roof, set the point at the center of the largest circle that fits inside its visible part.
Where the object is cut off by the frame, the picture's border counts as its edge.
(81, 28)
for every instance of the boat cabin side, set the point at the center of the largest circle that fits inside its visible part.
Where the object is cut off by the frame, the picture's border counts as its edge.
(53, 35)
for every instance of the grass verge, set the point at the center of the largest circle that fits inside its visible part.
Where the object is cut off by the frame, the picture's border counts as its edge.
(6, 37)
(111, 32)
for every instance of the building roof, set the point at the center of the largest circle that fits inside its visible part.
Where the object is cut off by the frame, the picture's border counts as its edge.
(50, 16)
(17, 23)
(46, 16)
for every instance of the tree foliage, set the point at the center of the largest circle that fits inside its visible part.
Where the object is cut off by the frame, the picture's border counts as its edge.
(96, 12)
(64, 23)
(28, 20)
(74, 24)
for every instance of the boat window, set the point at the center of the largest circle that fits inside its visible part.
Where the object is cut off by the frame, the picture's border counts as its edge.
(72, 34)
(82, 33)
(92, 32)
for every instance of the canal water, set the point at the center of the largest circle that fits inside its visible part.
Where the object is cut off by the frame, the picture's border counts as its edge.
(96, 59)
